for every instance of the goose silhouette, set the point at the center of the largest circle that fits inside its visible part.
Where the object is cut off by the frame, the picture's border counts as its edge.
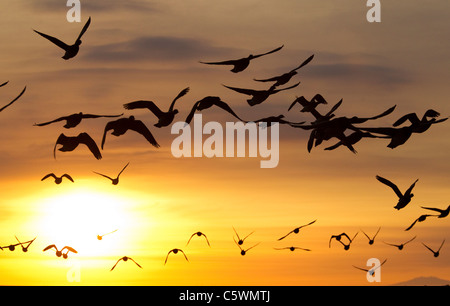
(292, 248)
(420, 125)
(70, 143)
(241, 64)
(347, 246)
(243, 252)
(75, 119)
(402, 245)
(286, 77)
(442, 212)
(403, 199)
(241, 240)
(307, 106)
(25, 249)
(199, 234)
(115, 180)
(121, 126)
(296, 230)
(175, 251)
(338, 238)
(208, 102)
(372, 240)
(70, 50)
(259, 96)
(58, 179)
(435, 253)
(125, 259)
(164, 118)
(420, 219)
(14, 100)
(60, 253)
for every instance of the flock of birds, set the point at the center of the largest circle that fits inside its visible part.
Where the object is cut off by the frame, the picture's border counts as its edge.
(324, 127)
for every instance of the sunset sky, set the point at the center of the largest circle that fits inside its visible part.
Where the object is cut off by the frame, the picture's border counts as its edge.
(150, 50)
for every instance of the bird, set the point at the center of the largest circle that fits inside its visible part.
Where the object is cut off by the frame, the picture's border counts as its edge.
(275, 119)
(338, 238)
(115, 180)
(371, 240)
(442, 212)
(403, 199)
(296, 230)
(371, 271)
(241, 240)
(75, 119)
(58, 179)
(175, 251)
(208, 102)
(420, 219)
(125, 258)
(286, 77)
(25, 249)
(100, 237)
(70, 143)
(70, 50)
(11, 247)
(420, 125)
(259, 96)
(347, 246)
(59, 253)
(292, 248)
(243, 252)
(307, 107)
(15, 99)
(199, 234)
(400, 246)
(164, 118)
(352, 139)
(241, 64)
(121, 126)
(435, 253)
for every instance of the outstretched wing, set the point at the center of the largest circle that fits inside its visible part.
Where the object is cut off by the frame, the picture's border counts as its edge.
(304, 63)
(54, 40)
(92, 116)
(411, 226)
(103, 175)
(116, 264)
(141, 128)
(150, 105)
(69, 248)
(383, 114)
(123, 169)
(433, 209)
(135, 262)
(86, 26)
(270, 52)
(49, 247)
(285, 236)
(411, 117)
(1, 109)
(68, 177)
(50, 122)
(85, 139)
(192, 112)
(390, 184)
(48, 175)
(411, 187)
(244, 91)
(181, 94)
(227, 108)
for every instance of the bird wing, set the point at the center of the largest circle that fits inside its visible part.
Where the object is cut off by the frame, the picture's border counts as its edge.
(268, 80)
(84, 138)
(270, 52)
(191, 238)
(428, 247)
(244, 91)
(141, 128)
(290, 87)
(150, 105)
(116, 264)
(181, 94)
(167, 256)
(90, 116)
(50, 122)
(123, 169)
(409, 227)
(433, 209)
(441, 245)
(135, 262)
(48, 175)
(61, 139)
(410, 240)
(103, 175)
(109, 126)
(192, 112)
(285, 236)
(54, 40)
(411, 187)
(207, 241)
(1, 109)
(227, 108)
(390, 184)
(361, 268)
(1, 85)
(383, 114)
(69, 248)
(376, 233)
(183, 254)
(411, 117)
(86, 26)
(308, 224)
(304, 63)
(49, 247)
(68, 177)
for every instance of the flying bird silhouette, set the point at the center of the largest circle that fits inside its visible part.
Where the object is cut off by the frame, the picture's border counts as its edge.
(175, 251)
(58, 179)
(442, 212)
(371, 240)
(125, 258)
(25, 249)
(338, 238)
(347, 246)
(241, 240)
(100, 237)
(241, 64)
(310, 106)
(243, 252)
(259, 96)
(11, 247)
(70, 143)
(115, 180)
(420, 125)
(199, 234)
(60, 253)
(372, 270)
(164, 118)
(350, 140)
(296, 230)
(292, 248)
(403, 199)
(121, 126)
(400, 246)
(276, 119)
(15, 99)
(435, 253)
(420, 219)
(70, 50)
(208, 102)
(75, 119)
(286, 77)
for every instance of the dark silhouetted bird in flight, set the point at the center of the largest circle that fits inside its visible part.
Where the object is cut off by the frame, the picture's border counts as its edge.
(15, 99)
(243, 252)
(70, 143)
(240, 65)
(371, 240)
(442, 212)
(60, 253)
(435, 253)
(403, 199)
(121, 126)
(420, 125)
(100, 237)
(241, 240)
(296, 230)
(208, 102)
(115, 180)
(164, 118)
(420, 219)
(286, 77)
(292, 248)
(75, 119)
(70, 50)
(25, 249)
(400, 246)
(347, 246)
(125, 258)
(58, 179)
(259, 96)
(199, 234)
(372, 270)
(175, 251)
(338, 238)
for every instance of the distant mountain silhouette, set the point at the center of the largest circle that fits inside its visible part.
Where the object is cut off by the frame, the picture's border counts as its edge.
(424, 281)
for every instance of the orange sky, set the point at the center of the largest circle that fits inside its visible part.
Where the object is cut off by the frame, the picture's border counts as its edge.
(151, 50)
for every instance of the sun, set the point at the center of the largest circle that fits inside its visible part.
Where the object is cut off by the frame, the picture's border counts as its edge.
(77, 219)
